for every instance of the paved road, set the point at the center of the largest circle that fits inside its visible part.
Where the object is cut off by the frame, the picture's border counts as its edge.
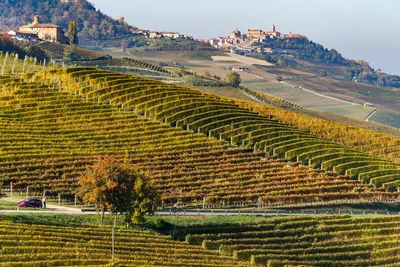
(270, 213)
(50, 207)
(208, 212)
(371, 114)
(56, 209)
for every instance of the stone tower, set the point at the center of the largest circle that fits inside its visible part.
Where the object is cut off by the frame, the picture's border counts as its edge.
(36, 19)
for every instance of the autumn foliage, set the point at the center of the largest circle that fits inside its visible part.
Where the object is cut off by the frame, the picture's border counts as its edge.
(114, 187)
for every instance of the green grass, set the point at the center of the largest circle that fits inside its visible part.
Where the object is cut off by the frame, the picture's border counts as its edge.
(291, 93)
(388, 117)
(354, 111)
(7, 205)
(62, 219)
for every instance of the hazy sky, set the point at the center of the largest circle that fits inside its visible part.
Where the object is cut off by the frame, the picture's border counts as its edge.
(358, 29)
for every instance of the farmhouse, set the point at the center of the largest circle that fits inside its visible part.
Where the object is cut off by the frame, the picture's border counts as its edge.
(173, 35)
(240, 68)
(22, 35)
(45, 32)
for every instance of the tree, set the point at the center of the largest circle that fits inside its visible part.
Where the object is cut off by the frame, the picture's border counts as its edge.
(233, 78)
(116, 188)
(73, 33)
(283, 62)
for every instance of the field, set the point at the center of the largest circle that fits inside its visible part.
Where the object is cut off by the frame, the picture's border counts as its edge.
(263, 78)
(202, 150)
(36, 244)
(331, 240)
(291, 93)
(226, 122)
(387, 116)
(54, 147)
(354, 111)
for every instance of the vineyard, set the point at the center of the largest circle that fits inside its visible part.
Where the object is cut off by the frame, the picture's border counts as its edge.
(50, 136)
(196, 147)
(328, 240)
(24, 244)
(240, 123)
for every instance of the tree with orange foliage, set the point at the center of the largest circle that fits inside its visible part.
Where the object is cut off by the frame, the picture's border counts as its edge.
(114, 187)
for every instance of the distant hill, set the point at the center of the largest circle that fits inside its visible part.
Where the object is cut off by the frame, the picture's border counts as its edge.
(92, 24)
(306, 55)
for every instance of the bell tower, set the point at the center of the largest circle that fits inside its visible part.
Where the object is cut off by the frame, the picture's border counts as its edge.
(273, 27)
(36, 19)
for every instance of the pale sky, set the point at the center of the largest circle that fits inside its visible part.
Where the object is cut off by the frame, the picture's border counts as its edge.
(358, 29)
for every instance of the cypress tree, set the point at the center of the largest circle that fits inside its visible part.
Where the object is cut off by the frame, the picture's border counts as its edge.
(73, 33)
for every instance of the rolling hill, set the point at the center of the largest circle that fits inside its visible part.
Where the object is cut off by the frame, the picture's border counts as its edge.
(331, 240)
(199, 149)
(38, 244)
(196, 146)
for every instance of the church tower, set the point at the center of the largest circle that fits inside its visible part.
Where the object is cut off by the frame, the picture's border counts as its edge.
(273, 27)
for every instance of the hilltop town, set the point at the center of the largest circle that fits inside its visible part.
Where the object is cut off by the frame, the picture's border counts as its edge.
(243, 43)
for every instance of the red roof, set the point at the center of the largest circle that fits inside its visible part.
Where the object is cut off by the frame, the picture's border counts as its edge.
(296, 35)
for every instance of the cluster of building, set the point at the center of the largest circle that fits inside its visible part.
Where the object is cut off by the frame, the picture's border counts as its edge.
(158, 35)
(243, 42)
(36, 32)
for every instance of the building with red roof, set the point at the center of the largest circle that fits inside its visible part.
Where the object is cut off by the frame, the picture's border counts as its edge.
(46, 32)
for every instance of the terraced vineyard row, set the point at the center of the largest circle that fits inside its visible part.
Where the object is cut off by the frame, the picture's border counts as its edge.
(221, 118)
(373, 143)
(47, 245)
(305, 241)
(49, 136)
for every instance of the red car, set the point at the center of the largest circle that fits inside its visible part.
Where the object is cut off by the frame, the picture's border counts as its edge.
(30, 202)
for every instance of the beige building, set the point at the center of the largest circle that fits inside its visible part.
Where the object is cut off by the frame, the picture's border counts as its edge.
(254, 33)
(46, 32)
